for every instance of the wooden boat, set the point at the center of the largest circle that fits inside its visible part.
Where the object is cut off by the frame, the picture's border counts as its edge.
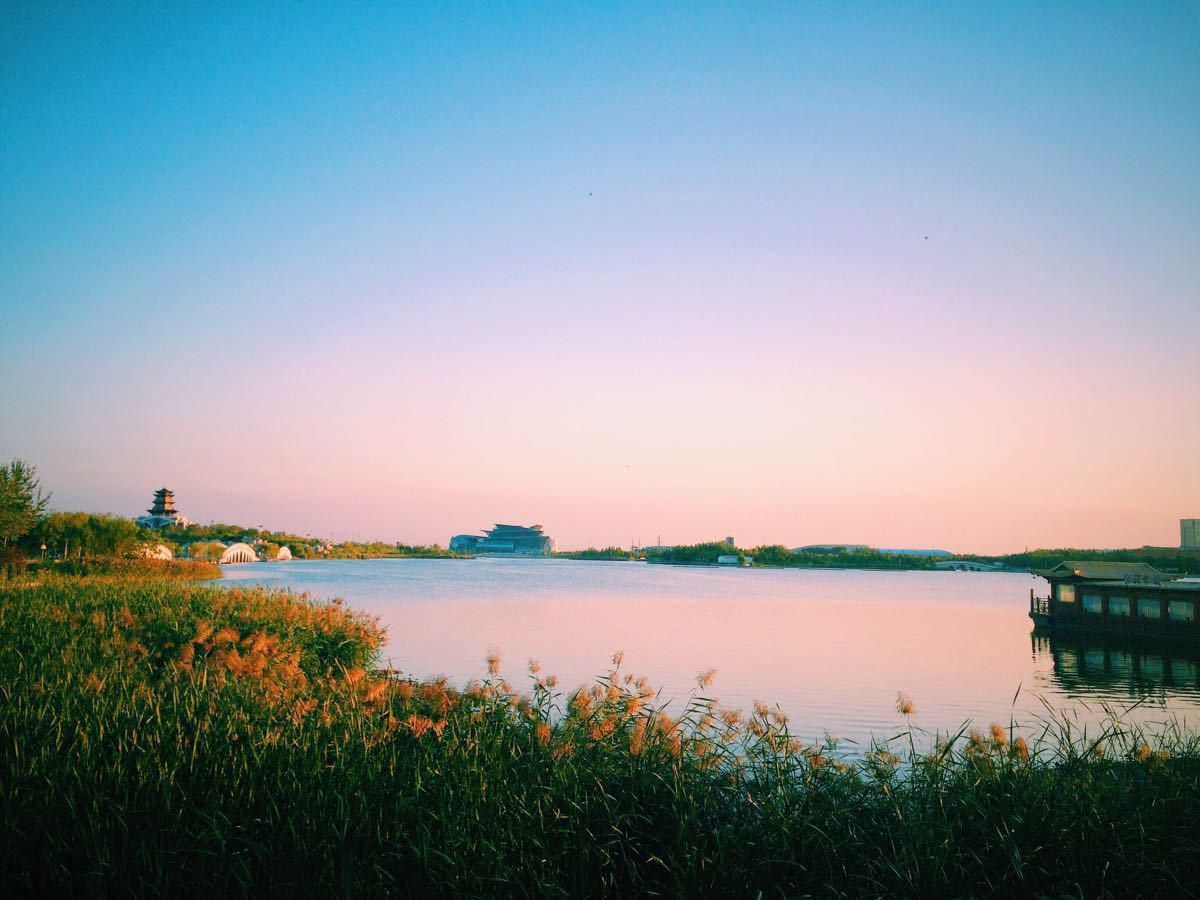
(1128, 599)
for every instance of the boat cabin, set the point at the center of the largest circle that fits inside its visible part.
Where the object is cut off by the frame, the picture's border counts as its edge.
(1132, 599)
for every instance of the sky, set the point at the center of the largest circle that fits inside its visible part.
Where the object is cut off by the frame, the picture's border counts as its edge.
(911, 275)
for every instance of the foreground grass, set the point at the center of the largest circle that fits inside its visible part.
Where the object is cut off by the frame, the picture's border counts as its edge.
(160, 737)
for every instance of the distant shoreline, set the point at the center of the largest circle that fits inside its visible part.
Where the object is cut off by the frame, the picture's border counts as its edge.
(656, 562)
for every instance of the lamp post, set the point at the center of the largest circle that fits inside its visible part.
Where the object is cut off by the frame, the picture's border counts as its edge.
(43, 552)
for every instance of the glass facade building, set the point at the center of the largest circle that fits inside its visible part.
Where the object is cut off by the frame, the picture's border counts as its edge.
(505, 540)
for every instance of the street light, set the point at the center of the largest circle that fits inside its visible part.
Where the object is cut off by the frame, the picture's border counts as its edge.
(43, 552)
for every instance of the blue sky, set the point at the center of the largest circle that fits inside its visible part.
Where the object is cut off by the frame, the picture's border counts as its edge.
(246, 246)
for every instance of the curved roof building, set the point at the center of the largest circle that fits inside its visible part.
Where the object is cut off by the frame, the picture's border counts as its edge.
(505, 540)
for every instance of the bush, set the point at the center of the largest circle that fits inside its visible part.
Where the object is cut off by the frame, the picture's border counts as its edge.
(12, 561)
(136, 567)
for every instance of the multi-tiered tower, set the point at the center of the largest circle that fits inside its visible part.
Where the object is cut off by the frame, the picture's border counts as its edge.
(164, 503)
(162, 511)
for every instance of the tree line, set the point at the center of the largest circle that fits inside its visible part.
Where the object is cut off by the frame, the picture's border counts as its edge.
(777, 555)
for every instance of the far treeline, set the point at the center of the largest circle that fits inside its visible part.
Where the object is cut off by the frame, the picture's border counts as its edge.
(1171, 560)
(202, 541)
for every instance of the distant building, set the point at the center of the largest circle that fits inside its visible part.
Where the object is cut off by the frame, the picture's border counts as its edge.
(859, 548)
(162, 511)
(1189, 534)
(730, 541)
(831, 548)
(464, 543)
(732, 559)
(505, 540)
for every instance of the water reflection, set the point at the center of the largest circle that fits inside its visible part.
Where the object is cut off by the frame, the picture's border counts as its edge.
(832, 648)
(1114, 667)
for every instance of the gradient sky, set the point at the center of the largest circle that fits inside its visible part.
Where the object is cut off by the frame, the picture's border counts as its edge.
(922, 275)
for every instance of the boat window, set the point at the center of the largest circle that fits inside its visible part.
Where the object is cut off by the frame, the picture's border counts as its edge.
(1118, 606)
(1149, 608)
(1091, 603)
(1066, 593)
(1181, 611)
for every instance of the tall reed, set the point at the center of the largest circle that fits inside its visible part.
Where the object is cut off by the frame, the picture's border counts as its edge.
(164, 737)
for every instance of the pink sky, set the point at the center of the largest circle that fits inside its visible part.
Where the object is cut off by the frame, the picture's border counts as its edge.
(923, 278)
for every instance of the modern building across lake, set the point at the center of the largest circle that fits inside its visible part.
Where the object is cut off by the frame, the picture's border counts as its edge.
(505, 540)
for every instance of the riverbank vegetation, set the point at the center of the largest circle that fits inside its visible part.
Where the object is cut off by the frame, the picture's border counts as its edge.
(200, 540)
(1167, 559)
(778, 556)
(134, 567)
(607, 553)
(381, 550)
(1172, 560)
(163, 737)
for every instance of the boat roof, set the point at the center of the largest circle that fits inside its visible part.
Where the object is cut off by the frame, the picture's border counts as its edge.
(1102, 571)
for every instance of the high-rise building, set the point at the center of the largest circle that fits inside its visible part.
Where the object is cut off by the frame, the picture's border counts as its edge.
(1189, 534)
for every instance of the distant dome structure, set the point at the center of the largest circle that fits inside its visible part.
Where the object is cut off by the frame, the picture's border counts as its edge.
(238, 553)
(284, 553)
(156, 551)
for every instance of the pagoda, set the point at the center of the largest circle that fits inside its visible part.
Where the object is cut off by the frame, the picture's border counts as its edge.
(164, 503)
(162, 511)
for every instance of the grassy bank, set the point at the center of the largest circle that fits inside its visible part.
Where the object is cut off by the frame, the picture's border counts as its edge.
(162, 737)
(166, 569)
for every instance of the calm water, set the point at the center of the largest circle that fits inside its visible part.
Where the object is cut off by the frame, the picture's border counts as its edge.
(832, 648)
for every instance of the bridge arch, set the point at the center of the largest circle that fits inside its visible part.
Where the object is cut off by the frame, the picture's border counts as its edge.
(239, 553)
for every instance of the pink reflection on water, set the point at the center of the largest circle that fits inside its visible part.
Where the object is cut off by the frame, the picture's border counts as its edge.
(831, 647)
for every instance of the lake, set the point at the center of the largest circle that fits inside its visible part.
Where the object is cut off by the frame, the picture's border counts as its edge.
(831, 647)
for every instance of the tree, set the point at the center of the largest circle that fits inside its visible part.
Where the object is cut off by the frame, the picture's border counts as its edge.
(22, 502)
(82, 535)
(211, 550)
